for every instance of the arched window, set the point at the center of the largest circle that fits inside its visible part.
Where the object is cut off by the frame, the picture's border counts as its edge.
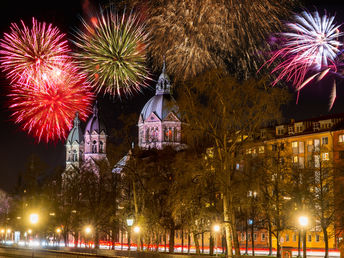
(147, 135)
(101, 147)
(69, 156)
(75, 155)
(94, 147)
(170, 134)
(175, 134)
(165, 134)
(155, 134)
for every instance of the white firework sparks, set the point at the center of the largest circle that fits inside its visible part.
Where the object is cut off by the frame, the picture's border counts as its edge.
(313, 39)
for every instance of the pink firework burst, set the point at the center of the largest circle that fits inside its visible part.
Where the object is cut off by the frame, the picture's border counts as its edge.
(32, 53)
(48, 113)
(310, 49)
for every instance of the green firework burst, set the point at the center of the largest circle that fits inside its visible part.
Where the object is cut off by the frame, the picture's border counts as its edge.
(112, 51)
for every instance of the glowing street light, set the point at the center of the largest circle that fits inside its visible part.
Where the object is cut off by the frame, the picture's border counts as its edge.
(58, 230)
(137, 229)
(303, 221)
(34, 218)
(29, 231)
(88, 230)
(216, 229)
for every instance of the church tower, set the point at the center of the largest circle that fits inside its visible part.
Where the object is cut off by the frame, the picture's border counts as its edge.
(160, 123)
(95, 138)
(75, 146)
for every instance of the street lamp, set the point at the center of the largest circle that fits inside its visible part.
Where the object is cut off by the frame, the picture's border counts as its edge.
(137, 230)
(34, 218)
(130, 222)
(303, 221)
(88, 231)
(216, 229)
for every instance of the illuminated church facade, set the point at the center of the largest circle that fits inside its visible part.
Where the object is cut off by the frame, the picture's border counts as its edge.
(159, 125)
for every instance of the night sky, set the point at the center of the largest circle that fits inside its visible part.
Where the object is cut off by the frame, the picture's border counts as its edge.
(17, 146)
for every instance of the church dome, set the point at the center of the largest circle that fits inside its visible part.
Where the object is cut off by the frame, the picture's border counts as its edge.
(75, 135)
(95, 123)
(162, 103)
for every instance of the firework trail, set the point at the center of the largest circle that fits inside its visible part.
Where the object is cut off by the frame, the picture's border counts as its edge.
(33, 53)
(112, 52)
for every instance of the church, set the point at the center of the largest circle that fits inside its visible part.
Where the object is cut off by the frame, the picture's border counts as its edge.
(159, 125)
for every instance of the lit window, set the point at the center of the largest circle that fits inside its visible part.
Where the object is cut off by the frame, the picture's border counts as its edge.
(261, 149)
(301, 162)
(301, 147)
(263, 236)
(294, 237)
(317, 238)
(287, 238)
(255, 237)
(295, 159)
(295, 147)
(316, 126)
(341, 138)
(309, 238)
(325, 156)
(316, 144)
(324, 140)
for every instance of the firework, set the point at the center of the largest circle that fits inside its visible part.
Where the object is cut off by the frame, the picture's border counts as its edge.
(112, 51)
(199, 35)
(47, 113)
(311, 45)
(32, 53)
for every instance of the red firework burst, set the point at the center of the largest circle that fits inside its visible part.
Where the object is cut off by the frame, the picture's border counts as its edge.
(48, 113)
(34, 52)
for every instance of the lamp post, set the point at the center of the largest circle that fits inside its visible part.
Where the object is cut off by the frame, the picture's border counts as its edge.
(88, 231)
(216, 229)
(130, 222)
(303, 221)
(137, 231)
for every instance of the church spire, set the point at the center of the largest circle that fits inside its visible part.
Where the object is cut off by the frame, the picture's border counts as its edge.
(163, 86)
(76, 119)
(95, 109)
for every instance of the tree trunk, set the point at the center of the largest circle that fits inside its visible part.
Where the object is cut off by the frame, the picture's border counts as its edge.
(171, 242)
(278, 255)
(182, 241)
(96, 240)
(228, 229)
(326, 241)
(299, 245)
(196, 240)
(270, 238)
(211, 244)
(234, 230)
(189, 240)
(252, 237)
(304, 244)
(202, 242)
(76, 239)
(246, 237)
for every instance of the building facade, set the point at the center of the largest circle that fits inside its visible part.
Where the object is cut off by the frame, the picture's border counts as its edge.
(83, 149)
